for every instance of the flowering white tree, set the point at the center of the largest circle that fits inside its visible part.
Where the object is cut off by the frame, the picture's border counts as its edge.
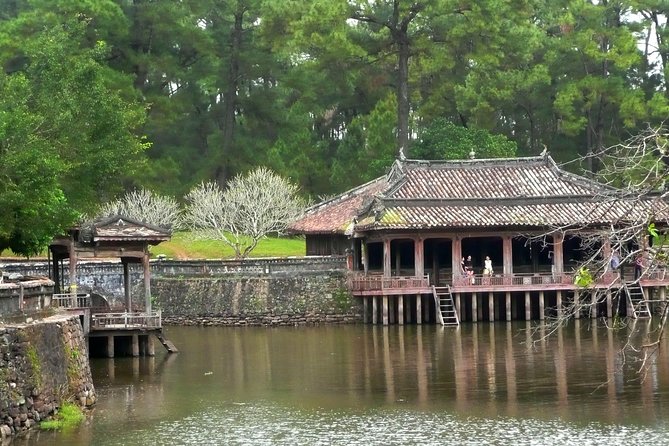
(251, 207)
(146, 206)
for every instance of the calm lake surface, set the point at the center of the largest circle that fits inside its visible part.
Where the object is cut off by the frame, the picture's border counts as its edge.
(364, 385)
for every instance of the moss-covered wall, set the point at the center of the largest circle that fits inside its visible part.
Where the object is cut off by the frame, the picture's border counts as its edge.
(286, 299)
(42, 365)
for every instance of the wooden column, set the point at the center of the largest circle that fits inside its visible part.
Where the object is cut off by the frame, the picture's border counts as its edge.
(407, 309)
(365, 310)
(365, 258)
(426, 311)
(375, 310)
(456, 257)
(126, 286)
(398, 262)
(419, 310)
(528, 306)
(558, 304)
(475, 313)
(542, 305)
(384, 310)
(387, 267)
(508, 306)
(56, 275)
(507, 255)
(400, 310)
(150, 349)
(663, 293)
(577, 309)
(73, 273)
(491, 307)
(558, 256)
(147, 282)
(419, 257)
(458, 306)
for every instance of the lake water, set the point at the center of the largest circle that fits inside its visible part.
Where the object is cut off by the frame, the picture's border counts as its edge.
(368, 385)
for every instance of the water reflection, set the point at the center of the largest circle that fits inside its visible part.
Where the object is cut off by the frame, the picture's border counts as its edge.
(466, 376)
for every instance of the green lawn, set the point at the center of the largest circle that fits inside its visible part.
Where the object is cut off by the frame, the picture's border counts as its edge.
(184, 246)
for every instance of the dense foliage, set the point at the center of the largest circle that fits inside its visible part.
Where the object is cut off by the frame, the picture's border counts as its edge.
(325, 92)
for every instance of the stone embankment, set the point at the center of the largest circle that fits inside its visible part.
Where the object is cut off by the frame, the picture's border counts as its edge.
(42, 365)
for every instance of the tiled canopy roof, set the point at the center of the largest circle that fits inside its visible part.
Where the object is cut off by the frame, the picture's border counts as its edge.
(120, 228)
(525, 192)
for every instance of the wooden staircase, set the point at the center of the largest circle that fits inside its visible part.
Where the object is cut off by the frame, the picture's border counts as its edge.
(169, 346)
(637, 301)
(447, 314)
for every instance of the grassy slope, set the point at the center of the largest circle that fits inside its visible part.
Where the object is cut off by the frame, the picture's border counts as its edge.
(183, 246)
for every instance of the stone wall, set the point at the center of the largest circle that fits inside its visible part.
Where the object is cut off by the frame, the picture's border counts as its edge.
(25, 297)
(42, 364)
(277, 299)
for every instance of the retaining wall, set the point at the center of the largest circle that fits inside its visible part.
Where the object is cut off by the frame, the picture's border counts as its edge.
(42, 365)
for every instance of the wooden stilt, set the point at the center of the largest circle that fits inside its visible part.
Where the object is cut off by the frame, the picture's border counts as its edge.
(577, 305)
(458, 307)
(542, 305)
(419, 310)
(385, 310)
(491, 307)
(365, 310)
(479, 307)
(475, 313)
(609, 306)
(593, 305)
(558, 304)
(110, 346)
(663, 293)
(150, 348)
(426, 311)
(375, 310)
(528, 306)
(135, 345)
(400, 310)
(391, 310)
(508, 306)
(407, 308)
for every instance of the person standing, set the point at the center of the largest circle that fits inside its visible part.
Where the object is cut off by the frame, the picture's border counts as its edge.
(487, 266)
(638, 266)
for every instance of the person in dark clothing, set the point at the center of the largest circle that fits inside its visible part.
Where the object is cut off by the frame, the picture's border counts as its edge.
(638, 267)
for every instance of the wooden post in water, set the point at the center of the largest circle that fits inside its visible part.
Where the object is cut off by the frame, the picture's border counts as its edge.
(577, 309)
(528, 306)
(491, 307)
(426, 311)
(542, 305)
(475, 313)
(135, 345)
(609, 307)
(400, 310)
(385, 310)
(593, 304)
(508, 306)
(558, 304)
(458, 307)
(407, 309)
(365, 310)
(419, 310)
(375, 310)
(110, 346)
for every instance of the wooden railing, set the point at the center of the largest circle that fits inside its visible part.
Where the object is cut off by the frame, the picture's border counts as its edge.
(126, 320)
(380, 283)
(71, 301)
(514, 280)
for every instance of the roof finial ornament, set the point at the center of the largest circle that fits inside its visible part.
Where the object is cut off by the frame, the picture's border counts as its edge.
(472, 154)
(544, 153)
(401, 154)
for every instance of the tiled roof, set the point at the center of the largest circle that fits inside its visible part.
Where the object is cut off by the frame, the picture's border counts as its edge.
(337, 214)
(473, 193)
(119, 228)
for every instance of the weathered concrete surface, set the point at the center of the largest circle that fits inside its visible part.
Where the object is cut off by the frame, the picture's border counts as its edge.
(25, 296)
(42, 364)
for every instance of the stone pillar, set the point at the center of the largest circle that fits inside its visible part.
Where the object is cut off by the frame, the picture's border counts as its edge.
(475, 313)
(400, 310)
(385, 310)
(528, 306)
(150, 348)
